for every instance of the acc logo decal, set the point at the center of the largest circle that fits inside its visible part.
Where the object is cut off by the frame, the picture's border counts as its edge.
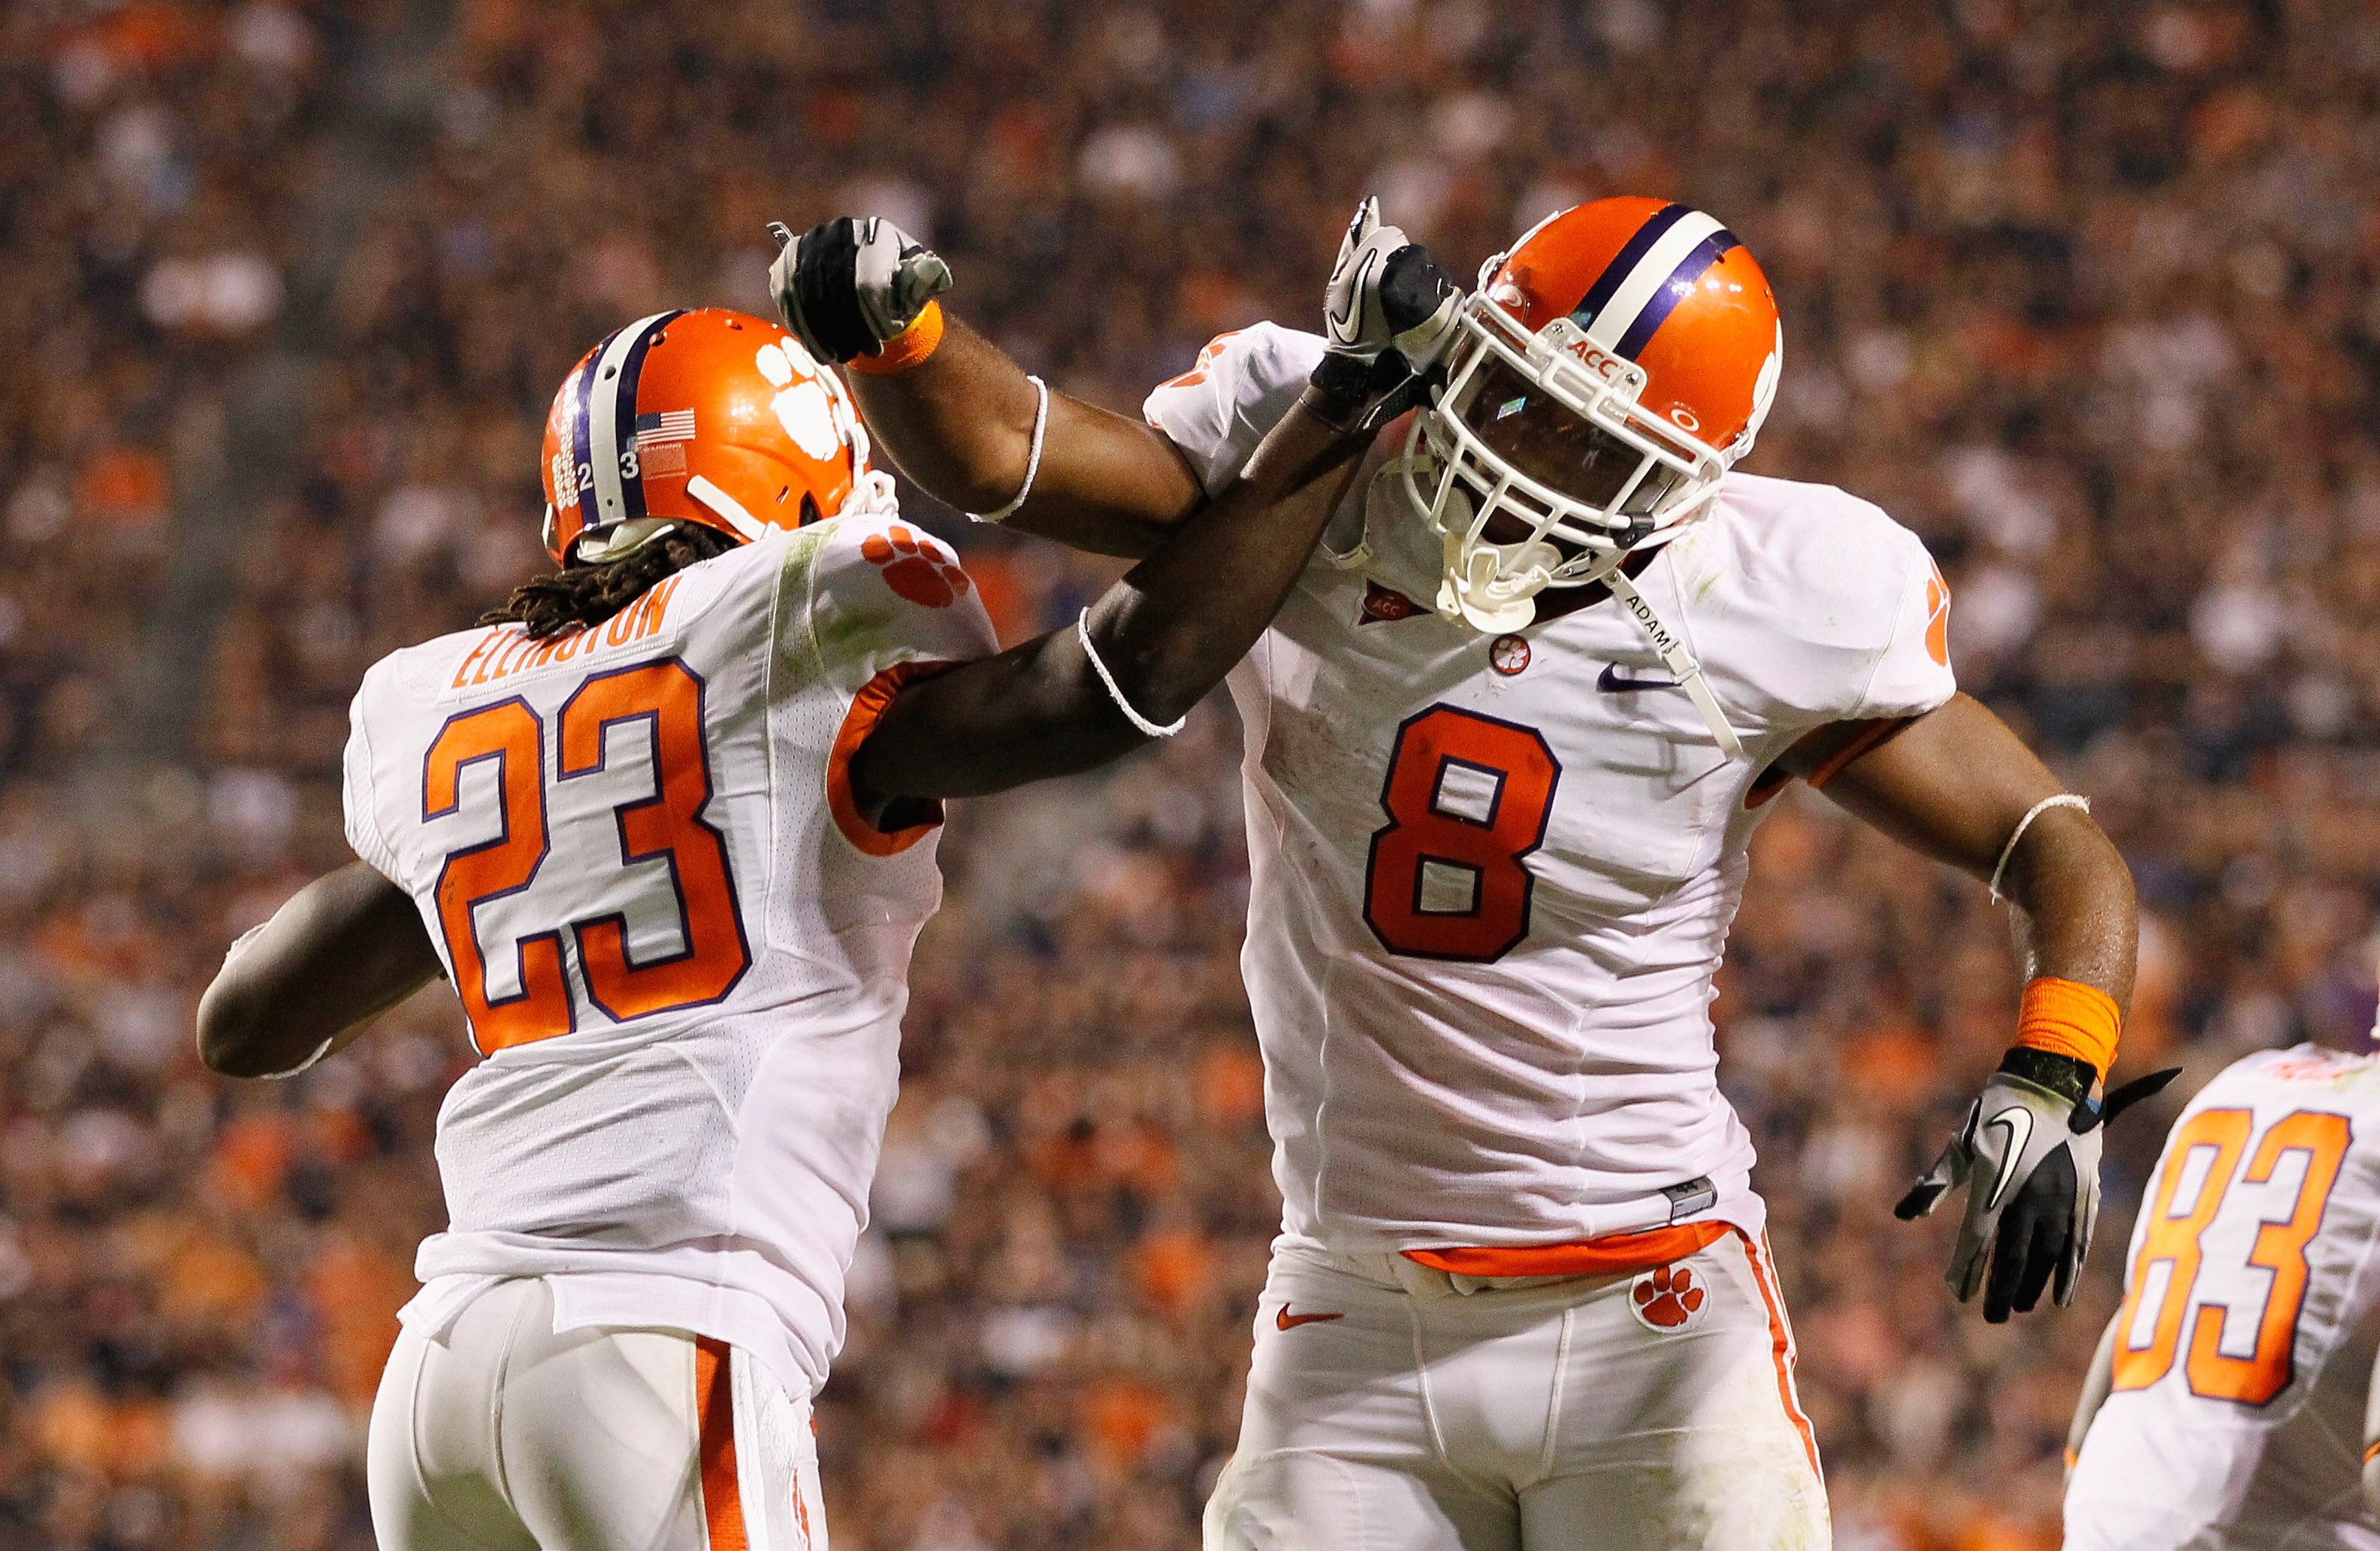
(1612, 368)
(1508, 654)
(1382, 604)
(1667, 1300)
(916, 567)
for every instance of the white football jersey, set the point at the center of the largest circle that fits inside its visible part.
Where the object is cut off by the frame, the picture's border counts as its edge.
(2250, 1317)
(1492, 876)
(682, 953)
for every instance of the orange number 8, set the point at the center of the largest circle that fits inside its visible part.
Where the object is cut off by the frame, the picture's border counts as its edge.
(1467, 797)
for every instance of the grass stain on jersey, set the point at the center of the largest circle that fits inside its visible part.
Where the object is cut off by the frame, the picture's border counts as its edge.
(844, 633)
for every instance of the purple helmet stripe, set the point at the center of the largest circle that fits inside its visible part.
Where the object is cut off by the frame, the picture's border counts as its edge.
(632, 366)
(582, 453)
(1675, 289)
(1615, 274)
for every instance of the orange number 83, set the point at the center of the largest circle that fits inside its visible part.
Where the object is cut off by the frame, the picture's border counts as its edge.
(2280, 1250)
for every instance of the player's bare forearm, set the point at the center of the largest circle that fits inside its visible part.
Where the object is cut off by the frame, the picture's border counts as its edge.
(1953, 785)
(2372, 1442)
(960, 425)
(348, 946)
(1168, 631)
(2098, 1381)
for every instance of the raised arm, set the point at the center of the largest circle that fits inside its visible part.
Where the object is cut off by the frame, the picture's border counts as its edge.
(1142, 656)
(1166, 634)
(958, 417)
(968, 425)
(346, 948)
(961, 425)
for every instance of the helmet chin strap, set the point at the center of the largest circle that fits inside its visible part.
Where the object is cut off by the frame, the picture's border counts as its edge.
(1675, 657)
(872, 495)
(617, 540)
(1494, 586)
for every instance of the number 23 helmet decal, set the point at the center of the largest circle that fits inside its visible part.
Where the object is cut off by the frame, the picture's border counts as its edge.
(1610, 370)
(710, 417)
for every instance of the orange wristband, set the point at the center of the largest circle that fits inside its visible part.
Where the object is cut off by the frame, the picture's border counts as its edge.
(906, 349)
(2068, 1017)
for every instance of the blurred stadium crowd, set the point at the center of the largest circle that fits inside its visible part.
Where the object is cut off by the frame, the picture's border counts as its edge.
(2081, 289)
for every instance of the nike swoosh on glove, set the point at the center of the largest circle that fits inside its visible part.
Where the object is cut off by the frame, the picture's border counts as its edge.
(1389, 310)
(846, 285)
(2029, 1156)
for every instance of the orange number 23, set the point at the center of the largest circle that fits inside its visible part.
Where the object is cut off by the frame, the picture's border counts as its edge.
(2172, 1238)
(667, 827)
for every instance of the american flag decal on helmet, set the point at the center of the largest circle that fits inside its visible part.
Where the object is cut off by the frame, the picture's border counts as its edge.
(668, 425)
(1654, 270)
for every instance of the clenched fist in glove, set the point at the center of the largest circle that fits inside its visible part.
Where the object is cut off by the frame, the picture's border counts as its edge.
(1389, 312)
(848, 285)
(2029, 1156)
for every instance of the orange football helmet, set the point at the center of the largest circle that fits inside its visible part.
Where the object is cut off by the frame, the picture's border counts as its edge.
(707, 416)
(1610, 370)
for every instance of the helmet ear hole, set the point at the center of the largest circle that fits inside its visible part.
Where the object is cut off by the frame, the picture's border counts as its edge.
(809, 509)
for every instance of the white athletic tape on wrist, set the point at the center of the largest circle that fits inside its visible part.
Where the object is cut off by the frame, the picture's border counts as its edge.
(2063, 799)
(1083, 630)
(1032, 468)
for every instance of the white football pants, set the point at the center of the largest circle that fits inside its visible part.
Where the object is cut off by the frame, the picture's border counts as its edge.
(502, 1435)
(1389, 1411)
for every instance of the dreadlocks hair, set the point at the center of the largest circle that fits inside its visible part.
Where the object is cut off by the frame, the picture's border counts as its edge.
(579, 598)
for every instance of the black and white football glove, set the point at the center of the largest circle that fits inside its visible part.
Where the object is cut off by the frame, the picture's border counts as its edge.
(2029, 1156)
(1389, 312)
(846, 285)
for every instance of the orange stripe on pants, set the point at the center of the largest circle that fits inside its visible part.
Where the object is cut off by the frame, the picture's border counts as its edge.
(1781, 1337)
(714, 1402)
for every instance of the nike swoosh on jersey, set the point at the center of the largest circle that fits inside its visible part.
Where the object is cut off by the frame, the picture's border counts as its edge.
(1288, 1321)
(2019, 1121)
(1614, 682)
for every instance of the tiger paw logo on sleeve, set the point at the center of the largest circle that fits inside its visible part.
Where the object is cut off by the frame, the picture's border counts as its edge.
(1667, 1298)
(915, 566)
(1938, 618)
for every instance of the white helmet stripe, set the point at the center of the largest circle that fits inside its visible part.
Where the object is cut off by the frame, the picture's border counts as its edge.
(603, 427)
(726, 507)
(1645, 280)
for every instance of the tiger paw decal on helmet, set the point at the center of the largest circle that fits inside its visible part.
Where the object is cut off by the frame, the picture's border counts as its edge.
(1667, 1298)
(915, 566)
